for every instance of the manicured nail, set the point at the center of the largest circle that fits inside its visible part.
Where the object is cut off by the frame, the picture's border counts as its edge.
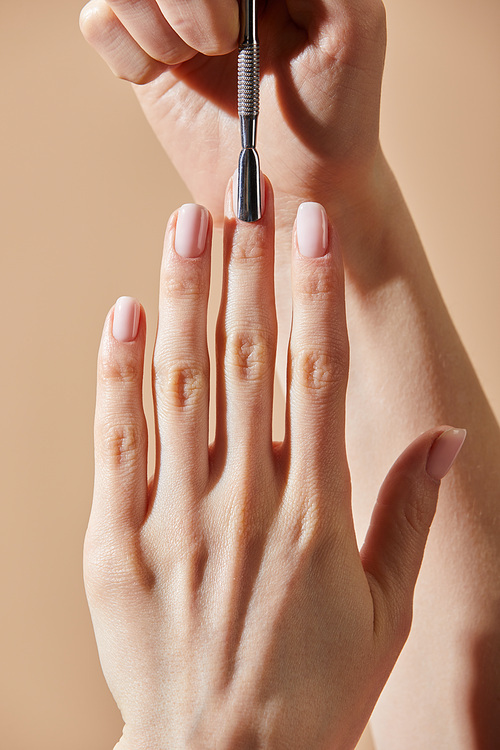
(235, 193)
(443, 452)
(312, 230)
(191, 230)
(126, 319)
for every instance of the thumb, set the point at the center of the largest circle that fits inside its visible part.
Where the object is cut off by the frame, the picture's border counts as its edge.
(394, 547)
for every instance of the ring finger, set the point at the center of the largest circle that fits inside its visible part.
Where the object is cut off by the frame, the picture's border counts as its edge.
(318, 356)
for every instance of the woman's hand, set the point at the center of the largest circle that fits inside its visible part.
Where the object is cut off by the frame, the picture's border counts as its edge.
(321, 68)
(231, 606)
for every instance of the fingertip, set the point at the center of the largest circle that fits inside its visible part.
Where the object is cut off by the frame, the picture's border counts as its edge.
(432, 454)
(311, 230)
(315, 236)
(190, 230)
(394, 546)
(444, 451)
(126, 317)
(90, 19)
(231, 202)
(85, 15)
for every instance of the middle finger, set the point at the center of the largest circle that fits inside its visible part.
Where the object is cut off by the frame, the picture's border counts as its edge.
(246, 335)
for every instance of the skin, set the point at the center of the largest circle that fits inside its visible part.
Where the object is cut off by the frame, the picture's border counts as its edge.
(245, 542)
(319, 141)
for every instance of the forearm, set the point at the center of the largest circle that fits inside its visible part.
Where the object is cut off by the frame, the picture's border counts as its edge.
(410, 371)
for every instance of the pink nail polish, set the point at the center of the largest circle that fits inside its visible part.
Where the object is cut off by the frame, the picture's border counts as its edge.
(262, 194)
(191, 230)
(126, 319)
(312, 230)
(443, 452)
(234, 191)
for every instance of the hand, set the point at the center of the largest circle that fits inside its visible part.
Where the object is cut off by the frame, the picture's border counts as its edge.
(321, 65)
(231, 606)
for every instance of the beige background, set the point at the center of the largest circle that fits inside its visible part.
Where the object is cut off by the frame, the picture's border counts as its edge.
(85, 194)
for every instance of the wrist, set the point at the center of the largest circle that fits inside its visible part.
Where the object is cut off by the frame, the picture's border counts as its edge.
(377, 235)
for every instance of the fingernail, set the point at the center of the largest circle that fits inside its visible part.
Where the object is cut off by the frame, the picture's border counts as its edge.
(443, 452)
(191, 230)
(126, 319)
(312, 230)
(262, 194)
(235, 193)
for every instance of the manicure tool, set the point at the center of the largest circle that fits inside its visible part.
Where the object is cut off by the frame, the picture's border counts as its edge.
(249, 189)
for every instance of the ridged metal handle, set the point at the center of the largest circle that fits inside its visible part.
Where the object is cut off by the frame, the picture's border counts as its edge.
(248, 81)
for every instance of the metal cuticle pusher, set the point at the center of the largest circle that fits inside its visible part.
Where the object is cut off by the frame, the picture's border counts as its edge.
(249, 187)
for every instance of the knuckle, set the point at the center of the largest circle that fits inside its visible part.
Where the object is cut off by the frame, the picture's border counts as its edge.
(249, 355)
(416, 513)
(117, 370)
(197, 565)
(112, 565)
(308, 527)
(247, 515)
(362, 23)
(319, 372)
(180, 385)
(393, 614)
(138, 71)
(173, 55)
(245, 511)
(221, 46)
(318, 284)
(402, 625)
(311, 523)
(123, 443)
(397, 625)
(249, 249)
(145, 74)
(189, 284)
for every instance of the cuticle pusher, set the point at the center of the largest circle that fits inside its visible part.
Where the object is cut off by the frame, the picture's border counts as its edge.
(249, 187)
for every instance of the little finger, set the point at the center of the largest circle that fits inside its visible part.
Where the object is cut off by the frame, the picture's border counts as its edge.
(120, 491)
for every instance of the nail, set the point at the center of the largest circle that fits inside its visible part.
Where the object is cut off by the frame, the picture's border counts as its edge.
(312, 230)
(126, 319)
(234, 191)
(191, 230)
(443, 452)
